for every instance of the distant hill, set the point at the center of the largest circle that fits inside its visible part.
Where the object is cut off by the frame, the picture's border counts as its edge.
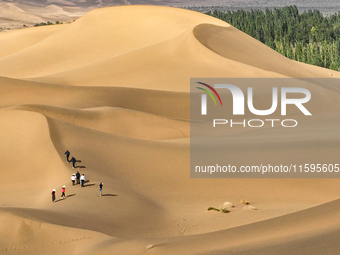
(25, 13)
(103, 3)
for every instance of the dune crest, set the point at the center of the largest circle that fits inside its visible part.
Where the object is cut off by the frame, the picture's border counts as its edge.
(108, 32)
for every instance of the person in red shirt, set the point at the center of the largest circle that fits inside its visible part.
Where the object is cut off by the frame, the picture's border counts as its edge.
(63, 192)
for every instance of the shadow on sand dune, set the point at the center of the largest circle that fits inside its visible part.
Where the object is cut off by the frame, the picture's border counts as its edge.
(58, 200)
(87, 185)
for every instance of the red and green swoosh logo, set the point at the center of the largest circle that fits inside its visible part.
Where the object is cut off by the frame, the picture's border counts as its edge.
(209, 93)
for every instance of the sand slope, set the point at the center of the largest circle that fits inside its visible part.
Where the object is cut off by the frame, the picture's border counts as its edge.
(113, 89)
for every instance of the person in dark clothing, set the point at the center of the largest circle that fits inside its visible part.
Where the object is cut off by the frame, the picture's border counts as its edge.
(78, 177)
(53, 196)
(100, 188)
(73, 160)
(67, 153)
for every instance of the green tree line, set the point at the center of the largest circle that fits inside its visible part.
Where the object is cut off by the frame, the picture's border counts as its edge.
(308, 37)
(48, 23)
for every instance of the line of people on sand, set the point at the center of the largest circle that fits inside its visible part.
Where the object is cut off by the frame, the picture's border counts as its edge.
(63, 190)
(75, 177)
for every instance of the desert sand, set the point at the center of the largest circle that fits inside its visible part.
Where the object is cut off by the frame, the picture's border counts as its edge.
(113, 88)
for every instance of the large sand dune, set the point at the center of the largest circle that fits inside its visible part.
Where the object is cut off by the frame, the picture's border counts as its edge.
(113, 88)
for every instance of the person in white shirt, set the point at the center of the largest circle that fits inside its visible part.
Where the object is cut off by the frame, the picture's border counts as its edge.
(73, 179)
(82, 180)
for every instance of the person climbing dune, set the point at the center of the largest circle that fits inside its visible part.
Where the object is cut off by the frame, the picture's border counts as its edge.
(67, 153)
(100, 188)
(63, 192)
(73, 179)
(53, 195)
(78, 177)
(82, 180)
(73, 160)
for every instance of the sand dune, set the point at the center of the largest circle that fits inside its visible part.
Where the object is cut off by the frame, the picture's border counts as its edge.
(13, 42)
(105, 36)
(17, 92)
(184, 46)
(113, 89)
(173, 61)
(118, 121)
(14, 15)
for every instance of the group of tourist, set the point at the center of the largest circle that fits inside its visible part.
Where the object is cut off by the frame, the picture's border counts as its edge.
(76, 177)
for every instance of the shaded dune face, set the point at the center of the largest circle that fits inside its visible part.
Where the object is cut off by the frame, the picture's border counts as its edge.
(113, 89)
